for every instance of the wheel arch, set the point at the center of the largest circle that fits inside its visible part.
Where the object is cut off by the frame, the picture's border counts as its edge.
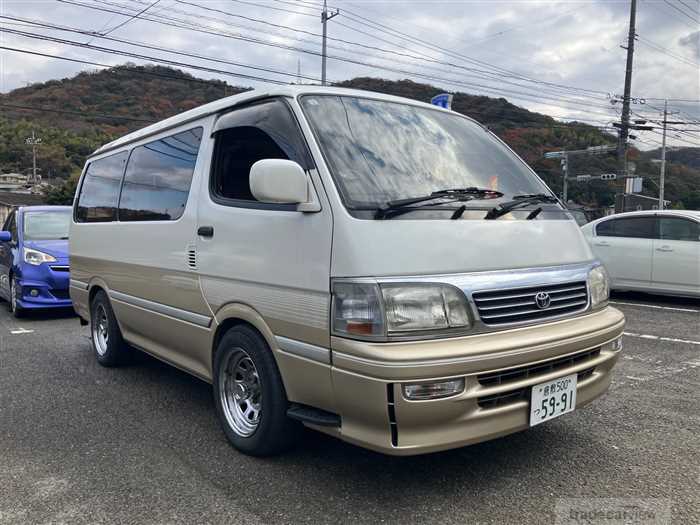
(236, 314)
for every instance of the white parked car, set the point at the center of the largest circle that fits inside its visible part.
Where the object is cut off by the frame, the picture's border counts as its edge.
(651, 251)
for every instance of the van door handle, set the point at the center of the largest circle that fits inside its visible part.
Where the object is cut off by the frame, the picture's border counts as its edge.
(602, 243)
(205, 231)
(664, 249)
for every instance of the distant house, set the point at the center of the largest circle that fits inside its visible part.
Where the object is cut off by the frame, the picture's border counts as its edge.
(10, 200)
(636, 202)
(11, 181)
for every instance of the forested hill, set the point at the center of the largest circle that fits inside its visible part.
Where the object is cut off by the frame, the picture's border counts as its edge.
(92, 108)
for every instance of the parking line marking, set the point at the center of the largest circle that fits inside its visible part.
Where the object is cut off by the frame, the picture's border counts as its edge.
(660, 338)
(21, 331)
(658, 307)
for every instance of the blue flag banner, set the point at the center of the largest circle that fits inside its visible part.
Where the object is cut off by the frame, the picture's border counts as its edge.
(444, 100)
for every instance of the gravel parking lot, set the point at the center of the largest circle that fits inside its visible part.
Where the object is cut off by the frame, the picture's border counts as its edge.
(83, 444)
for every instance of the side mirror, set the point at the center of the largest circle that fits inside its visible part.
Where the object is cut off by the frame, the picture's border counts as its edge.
(5, 236)
(282, 182)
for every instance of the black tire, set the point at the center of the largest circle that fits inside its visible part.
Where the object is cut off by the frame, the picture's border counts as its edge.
(14, 308)
(111, 350)
(274, 432)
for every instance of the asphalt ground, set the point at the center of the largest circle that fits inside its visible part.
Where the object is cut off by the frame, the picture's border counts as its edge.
(141, 444)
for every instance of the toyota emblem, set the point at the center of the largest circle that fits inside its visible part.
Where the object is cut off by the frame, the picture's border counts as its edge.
(542, 300)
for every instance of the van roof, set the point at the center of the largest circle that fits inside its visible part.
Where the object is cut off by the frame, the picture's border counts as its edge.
(247, 96)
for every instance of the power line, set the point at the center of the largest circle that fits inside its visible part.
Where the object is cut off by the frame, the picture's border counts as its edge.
(532, 97)
(692, 10)
(490, 75)
(131, 18)
(667, 52)
(423, 43)
(256, 4)
(682, 12)
(143, 57)
(113, 68)
(475, 72)
(149, 46)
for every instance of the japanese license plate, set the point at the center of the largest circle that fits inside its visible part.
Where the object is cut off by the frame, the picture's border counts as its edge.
(552, 399)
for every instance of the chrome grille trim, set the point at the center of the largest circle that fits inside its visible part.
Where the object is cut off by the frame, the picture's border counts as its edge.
(503, 306)
(473, 283)
(524, 372)
(514, 375)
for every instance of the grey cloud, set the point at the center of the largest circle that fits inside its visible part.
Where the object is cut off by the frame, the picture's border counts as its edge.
(691, 41)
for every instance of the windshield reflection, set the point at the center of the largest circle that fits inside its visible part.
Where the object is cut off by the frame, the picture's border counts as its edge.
(381, 151)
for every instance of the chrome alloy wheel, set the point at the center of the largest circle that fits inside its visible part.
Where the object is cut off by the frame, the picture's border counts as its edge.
(240, 392)
(100, 330)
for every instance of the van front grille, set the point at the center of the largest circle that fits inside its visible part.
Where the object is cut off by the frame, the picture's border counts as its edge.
(517, 305)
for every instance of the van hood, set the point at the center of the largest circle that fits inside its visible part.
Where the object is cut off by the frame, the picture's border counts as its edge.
(381, 248)
(56, 247)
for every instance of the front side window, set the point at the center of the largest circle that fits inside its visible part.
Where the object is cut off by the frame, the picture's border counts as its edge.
(158, 178)
(46, 225)
(99, 192)
(632, 227)
(677, 229)
(265, 130)
(381, 151)
(11, 226)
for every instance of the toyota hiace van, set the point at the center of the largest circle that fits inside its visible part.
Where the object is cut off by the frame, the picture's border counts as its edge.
(378, 269)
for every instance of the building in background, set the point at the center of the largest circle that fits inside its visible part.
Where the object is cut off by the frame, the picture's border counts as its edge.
(11, 200)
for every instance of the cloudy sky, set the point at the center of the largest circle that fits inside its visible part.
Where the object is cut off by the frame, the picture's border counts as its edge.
(562, 58)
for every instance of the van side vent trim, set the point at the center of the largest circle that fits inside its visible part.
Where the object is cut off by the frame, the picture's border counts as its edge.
(392, 415)
(192, 257)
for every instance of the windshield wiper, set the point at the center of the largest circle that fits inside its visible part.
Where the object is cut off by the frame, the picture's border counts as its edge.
(518, 202)
(401, 206)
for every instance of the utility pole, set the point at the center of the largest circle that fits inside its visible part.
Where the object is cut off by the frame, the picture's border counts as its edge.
(33, 141)
(625, 120)
(663, 158)
(565, 189)
(325, 17)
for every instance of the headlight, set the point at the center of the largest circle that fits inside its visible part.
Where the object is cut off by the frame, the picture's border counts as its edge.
(36, 257)
(424, 307)
(599, 287)
(366, 309)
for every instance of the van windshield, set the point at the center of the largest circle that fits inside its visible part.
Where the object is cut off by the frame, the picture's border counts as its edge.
(382, 151)
(46, 225)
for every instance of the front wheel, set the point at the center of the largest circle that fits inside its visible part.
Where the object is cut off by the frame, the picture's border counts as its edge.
(14, 307)
(249, 395)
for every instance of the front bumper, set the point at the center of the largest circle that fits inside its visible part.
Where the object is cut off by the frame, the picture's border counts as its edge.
(367, 380)
(44, 286)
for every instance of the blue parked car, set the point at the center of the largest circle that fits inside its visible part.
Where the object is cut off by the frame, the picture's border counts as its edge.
(34, 271)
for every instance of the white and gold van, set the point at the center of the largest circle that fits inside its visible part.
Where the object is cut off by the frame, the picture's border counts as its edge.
(379, 269)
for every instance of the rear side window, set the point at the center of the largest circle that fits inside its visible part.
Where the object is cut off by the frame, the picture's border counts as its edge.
(677, 229)
(158, 178)
(632, 227)
(99, 192)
